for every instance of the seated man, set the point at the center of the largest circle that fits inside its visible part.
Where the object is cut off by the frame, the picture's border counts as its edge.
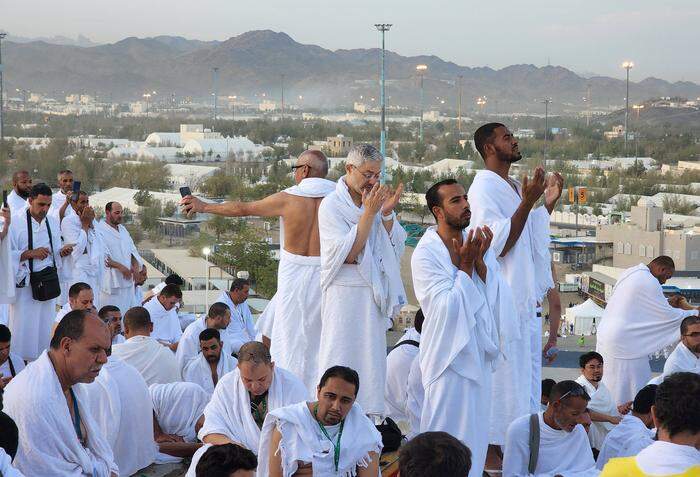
(172, 279)
(155, 362)
(218, 317)
(10, 363)
(415, 395)
(633, 433)
(80, 297)
(676, 414)
(547, 385)
(563, 444)
(434, 453)
(331, 436)
(227, 460)
(112, 317)
(121, 405)
(208, 367)
(178, 410)
(163, 312)
(398, 364)
(686, 356)
(241, 329)
(244, 396)
(604, 412)
(59, 434)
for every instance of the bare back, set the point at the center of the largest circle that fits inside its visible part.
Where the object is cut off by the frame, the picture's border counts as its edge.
(301, 225)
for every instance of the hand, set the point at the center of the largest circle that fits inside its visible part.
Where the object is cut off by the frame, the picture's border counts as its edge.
(374, 199)
(163, 437)
(551, 343)
(65, 250)
(126, 272)
(532, 189)
(191, 205)
(614, 419)
(552, 192)
(625, 408)
(486, 238)
(4, 381)
(6, 216)
(39, 253)
(469, 251)
(87, 216)
(392, 200)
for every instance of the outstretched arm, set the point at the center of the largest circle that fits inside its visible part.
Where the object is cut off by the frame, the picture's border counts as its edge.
(271, 206)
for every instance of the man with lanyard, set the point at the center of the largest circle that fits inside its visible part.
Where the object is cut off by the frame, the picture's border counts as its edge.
(241, 329)
(10, 363)
(329, 437)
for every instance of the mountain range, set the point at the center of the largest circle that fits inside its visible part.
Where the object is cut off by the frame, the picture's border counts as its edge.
(254, 62)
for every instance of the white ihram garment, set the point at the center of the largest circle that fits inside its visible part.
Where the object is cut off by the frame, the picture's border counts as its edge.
(86, 262)
(602, 402)
(682, 359)
(398, 365)
(627, 439)
(241, 329)
(358, 300)
(197, 371)
(666, 458)
(637, 322)
(118, 245)
(527, 269)
(178, 407)
(166, 325)
(188, 346)
(155, 362)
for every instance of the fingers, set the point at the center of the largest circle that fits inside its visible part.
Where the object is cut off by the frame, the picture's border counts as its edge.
(455, 246)
(524, 182)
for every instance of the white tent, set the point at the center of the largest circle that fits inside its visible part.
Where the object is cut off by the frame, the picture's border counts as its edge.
(585, 317)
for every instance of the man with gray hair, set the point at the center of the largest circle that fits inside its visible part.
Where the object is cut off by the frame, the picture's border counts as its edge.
(361, 247)
(294, 325)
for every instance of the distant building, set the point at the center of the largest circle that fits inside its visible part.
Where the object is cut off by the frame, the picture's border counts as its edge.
(267, 106)
(360, 108)
(338, 145)
(431, 116)
(616, 132)
(524, 133)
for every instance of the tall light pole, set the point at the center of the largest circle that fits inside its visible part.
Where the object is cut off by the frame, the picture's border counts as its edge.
(206, 251)
(147, 97)
(546, 102)
(627, 65)
(421, 69)
(383, 28)
(2, 125)
(282, 88)
(459, 108)
(215, 78)
(232, 100)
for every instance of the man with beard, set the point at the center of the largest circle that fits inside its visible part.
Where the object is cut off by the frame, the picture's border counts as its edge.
(361, 246)
(61, 199)
(122, 260)
(59, 434)
(21, 187)
(85, 263)
(112, 317)
(605, 414)
(686, 356)
(469, 318)
(521, 243)
(562, 447)
(30, 319)
(210, 365)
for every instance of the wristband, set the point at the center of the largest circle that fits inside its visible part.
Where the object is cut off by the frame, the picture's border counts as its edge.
(390, 217)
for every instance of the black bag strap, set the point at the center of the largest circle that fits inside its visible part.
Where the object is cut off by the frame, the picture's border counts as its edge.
(12, 366)
(534, 443)
(31, 242)
(406, 342)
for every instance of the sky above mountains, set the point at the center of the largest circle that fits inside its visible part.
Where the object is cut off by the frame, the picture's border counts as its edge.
(587, 36)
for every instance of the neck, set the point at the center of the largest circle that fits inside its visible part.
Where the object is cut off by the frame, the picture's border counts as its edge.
(356, 198)
(499, 167)
(21, 194)
(548, 418)
(593, 383)
(695, 353)
(61, 374)
(682, 438)
(136, 333)
(210, 322)
(114, 226)
(38, 219)
(447, 233)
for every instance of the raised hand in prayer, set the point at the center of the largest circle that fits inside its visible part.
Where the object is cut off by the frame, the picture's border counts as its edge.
(374, 199)
(392, 200)
(479, 263)
(86, 217)
(552, 192)
(532, 189)
(468, 252)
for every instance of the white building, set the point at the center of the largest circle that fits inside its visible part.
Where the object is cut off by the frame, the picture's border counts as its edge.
(222, 148)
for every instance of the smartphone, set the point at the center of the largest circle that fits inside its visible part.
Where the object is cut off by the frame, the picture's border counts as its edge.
(185, 191)
(4, 199)
(76, 189)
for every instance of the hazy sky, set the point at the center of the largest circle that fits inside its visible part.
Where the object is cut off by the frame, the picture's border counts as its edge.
(588, 36)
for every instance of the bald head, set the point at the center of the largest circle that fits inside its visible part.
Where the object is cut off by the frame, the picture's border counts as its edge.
(254, 352)
(317, 162)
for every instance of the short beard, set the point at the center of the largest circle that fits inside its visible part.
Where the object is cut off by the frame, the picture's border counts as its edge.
(457, 223)
(212, 359)
(23, 195)
(509, 158)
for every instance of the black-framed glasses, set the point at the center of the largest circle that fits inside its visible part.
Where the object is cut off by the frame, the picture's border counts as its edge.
(294, 168)
(694, 334)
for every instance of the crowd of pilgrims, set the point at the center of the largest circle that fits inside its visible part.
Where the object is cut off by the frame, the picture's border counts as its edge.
(100, 377)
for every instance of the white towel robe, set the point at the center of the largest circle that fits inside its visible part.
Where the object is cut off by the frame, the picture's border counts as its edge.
(398, 365)
(178, 407)
(602, 402)
(197, 371)
(6, 468)
(637, 322)
(295, 327)
(241, 329)
(228, 412)
(188, 346)
(527, 269)
(155, 362)
(30, 321)
(86, 263)
(16, 203)
(166, 324)
(628, 438)
(121, 405)
(303, 441)
(415, 395)
(118, 245)
(7, 277)
(666, 458)
(681, 359)
(358, 300)
(459, 345)
(561, 452)
(48, 443)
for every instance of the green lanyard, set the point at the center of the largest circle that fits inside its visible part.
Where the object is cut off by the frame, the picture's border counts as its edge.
(336, 445)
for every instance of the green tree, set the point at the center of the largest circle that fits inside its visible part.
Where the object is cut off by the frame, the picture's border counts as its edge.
(247, 251)
(150, 213)
(169, 208)
(142, 198)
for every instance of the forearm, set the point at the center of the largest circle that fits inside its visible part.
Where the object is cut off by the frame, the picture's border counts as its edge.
(217, 439)
(599, 417)
(364, 227)
(179, 449)
(517, 224)
(554, 312)
(226, 209)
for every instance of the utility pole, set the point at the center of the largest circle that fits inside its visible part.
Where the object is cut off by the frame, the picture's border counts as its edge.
(421, 69)
(627, 65)
(546, 102)
(459, 108)
(2, 125)
(383, 28)
(215, 78)
(588, 105)
(282, 85)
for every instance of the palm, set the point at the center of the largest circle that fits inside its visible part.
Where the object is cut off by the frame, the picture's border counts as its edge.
(393, 200)
(554, 188)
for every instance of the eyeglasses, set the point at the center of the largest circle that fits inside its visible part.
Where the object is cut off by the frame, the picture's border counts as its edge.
(368, 175)
(694, 334)
(577, 391)
(294, 168)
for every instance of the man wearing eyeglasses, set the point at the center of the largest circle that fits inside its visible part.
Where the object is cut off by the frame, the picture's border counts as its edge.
(686, 356)
(296, 307)
(562, 447)
(361, 247)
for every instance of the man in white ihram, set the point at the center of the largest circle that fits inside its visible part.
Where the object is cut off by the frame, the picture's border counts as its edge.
(241, 328)
(638, 321)
(686, 356)
(468, 313)
(122, 260)
(296, 307)
(361, 246)
(521, 243)
(211, 364)
(218, 317)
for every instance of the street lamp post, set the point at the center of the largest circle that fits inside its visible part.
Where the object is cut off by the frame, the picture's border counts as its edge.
(2, 125)
(546, 102)
(421, 69)
(383, 28)
(232, 100)
(206, 251)
(627, 65)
